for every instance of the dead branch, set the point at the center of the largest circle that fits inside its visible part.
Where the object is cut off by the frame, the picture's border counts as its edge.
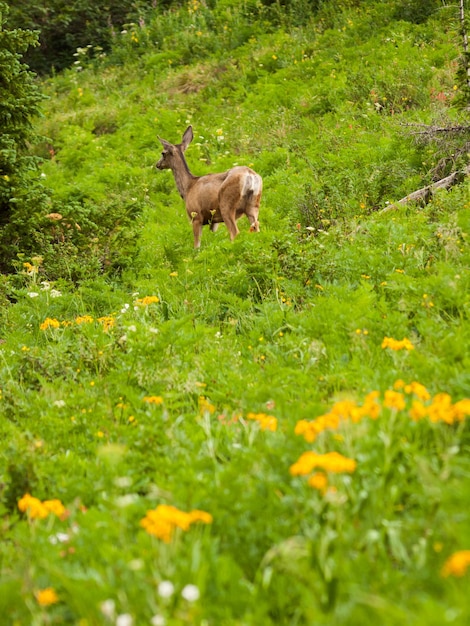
(425, 194)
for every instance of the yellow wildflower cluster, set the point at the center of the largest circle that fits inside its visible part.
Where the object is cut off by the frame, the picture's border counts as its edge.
(441, 409)
(46, 597)
(329, 462)
(106, 322)
(146, 300)
(194, 6)
(457, 564)
(397, 344)
(84, 319)
(205, 406)
(345, 410)
(266, 422)
(162, 521)
(414, 388)
(49, 322)
(40, 510)
(153, 399)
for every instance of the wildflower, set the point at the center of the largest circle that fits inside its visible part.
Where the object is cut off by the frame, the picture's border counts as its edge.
(266, 422)
(55, 293)
(55, 506)
(125, 619)
(418, 390)
(318, 481)
(190, 593)
(49, 323)
(394, 400)
(162, 521)
(418, 411)
(330, 462)
(457, 564)
(174, 274)
(33, 506)
(157, 620)
(205, 406)
(107, 322)
(166, 589)
(395, 344)
(153, 400)
(33, 294)
(46, 597)
(145, 301)
(30, 269)
(83, 319)
(108, 608)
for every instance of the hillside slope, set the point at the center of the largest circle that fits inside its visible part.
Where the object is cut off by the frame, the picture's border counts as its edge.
(269, 431)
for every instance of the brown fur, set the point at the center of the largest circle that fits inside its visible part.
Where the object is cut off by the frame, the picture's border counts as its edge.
(213, 198)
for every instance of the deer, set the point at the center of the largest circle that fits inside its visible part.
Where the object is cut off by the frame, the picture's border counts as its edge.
(213, 198)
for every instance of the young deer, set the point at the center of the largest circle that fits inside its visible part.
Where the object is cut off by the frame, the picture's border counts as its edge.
(213, 198)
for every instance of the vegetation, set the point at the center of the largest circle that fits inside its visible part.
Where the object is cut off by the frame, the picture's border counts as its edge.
(270, 431)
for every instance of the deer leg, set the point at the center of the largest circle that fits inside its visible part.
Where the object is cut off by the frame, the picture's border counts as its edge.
(252, 212)
(197, 231)
(230, 223)
(214, 226)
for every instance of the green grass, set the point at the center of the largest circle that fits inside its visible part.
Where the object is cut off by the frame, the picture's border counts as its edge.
(287, 323)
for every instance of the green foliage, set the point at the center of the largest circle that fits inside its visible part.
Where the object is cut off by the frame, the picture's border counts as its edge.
(22, 197)
(136, 372)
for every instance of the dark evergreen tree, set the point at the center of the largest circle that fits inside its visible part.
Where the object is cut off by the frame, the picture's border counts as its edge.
(23, 200)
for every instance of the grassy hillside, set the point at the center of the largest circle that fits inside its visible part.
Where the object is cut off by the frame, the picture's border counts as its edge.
(270, 431)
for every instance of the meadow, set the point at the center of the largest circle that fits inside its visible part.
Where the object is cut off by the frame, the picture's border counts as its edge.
(272, 431)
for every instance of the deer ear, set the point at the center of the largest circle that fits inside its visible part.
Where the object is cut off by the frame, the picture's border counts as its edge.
(187, 138)
(165, 144)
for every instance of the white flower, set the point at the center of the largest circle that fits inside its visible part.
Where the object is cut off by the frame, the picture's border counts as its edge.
(123, 481)
(154, 331)
(124, 620)
(132, 328)
(108, 608)
(126, 500)
(55, 293)
(45, 285)
(190, 593)
(59, 538)
(59, 403)
(136, 564)
(158, 620)
(33, 294)
(166, 589)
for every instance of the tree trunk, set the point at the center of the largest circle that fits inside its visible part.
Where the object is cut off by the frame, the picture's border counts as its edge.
(425, 194)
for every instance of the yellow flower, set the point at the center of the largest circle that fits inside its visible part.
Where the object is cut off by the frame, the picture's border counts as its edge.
(418, 390)
(162, 521)
(396, 344)
(266, 422)
(330, 462)
(394, 400)
(457, 564)
(418, 411)
(46, 597)
(147, 300)
(153, 399)
(33, 506)
(318, 481)
(205, 406)
(49, 323)
(84, 319)
(54, 506)
(107, 322)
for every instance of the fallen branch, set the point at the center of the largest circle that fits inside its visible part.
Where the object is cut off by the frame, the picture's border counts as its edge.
(425, 194)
